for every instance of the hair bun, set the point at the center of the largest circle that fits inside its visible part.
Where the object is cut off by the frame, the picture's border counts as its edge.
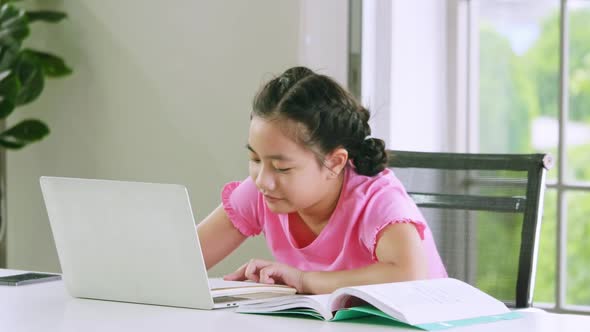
(372, 157)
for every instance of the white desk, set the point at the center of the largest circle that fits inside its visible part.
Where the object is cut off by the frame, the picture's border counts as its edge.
(47, 307)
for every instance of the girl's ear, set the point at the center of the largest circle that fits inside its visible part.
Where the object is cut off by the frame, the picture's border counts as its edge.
(336, 160)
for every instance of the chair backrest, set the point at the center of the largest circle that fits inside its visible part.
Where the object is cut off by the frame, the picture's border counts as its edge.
(485, 213)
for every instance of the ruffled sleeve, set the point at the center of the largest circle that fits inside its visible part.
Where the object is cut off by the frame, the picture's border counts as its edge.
(240, 202)
(420, 227)
(389, 205)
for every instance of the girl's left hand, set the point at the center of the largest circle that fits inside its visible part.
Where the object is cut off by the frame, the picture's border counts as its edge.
(267, 272)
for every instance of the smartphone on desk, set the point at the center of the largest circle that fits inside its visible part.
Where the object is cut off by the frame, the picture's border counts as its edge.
(27, 278)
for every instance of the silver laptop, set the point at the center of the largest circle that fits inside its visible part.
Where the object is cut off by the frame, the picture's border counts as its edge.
(135, 242)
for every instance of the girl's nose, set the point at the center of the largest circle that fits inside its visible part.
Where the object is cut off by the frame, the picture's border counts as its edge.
(265, 180)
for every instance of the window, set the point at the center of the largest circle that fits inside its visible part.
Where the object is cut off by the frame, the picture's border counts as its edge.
(520, 79)
(516, 79)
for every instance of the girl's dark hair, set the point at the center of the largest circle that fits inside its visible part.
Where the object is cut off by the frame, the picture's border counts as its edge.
(329, 115)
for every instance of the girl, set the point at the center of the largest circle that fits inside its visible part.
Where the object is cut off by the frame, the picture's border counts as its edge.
(333, 215)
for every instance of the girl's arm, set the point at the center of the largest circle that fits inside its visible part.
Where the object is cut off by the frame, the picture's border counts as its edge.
(218, 237)
(400, 255)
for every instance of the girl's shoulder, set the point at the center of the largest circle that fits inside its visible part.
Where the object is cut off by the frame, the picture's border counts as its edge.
(367, 186)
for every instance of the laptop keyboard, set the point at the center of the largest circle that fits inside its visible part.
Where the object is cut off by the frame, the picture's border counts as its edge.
(224, 299)
(245, 297)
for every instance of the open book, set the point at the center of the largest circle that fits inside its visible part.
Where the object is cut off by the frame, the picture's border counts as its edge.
(247, 289)
(427, 304)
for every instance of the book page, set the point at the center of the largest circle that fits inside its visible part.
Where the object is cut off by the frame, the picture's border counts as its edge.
(426, 301)
(219, 283)
(318, 303)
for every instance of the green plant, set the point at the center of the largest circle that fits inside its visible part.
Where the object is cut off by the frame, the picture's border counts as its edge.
(23, 71)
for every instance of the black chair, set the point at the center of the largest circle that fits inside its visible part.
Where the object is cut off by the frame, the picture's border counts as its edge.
(485, 214)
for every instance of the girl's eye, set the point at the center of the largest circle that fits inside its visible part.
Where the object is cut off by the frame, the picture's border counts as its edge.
(282, 170)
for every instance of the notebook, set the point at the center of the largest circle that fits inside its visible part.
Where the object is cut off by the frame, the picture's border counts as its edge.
(136, 242)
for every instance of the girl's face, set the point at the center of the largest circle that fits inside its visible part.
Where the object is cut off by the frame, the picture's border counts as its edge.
(286, 173)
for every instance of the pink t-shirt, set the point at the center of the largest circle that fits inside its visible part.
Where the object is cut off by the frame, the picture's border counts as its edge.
(366, 206)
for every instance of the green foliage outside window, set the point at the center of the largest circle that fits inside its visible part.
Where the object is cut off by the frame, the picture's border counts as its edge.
(514, 90)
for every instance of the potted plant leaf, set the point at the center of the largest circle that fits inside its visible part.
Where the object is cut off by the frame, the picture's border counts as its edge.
(22, 78)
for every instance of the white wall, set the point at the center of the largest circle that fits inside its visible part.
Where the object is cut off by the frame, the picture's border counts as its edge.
(161, 92)
(418, 75)
(323, 41)
(404, 74)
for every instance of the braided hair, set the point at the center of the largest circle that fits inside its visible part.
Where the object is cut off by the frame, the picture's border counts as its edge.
(326, 116)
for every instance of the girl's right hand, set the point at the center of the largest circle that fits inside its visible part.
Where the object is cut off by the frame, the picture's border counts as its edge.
(268, 272)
